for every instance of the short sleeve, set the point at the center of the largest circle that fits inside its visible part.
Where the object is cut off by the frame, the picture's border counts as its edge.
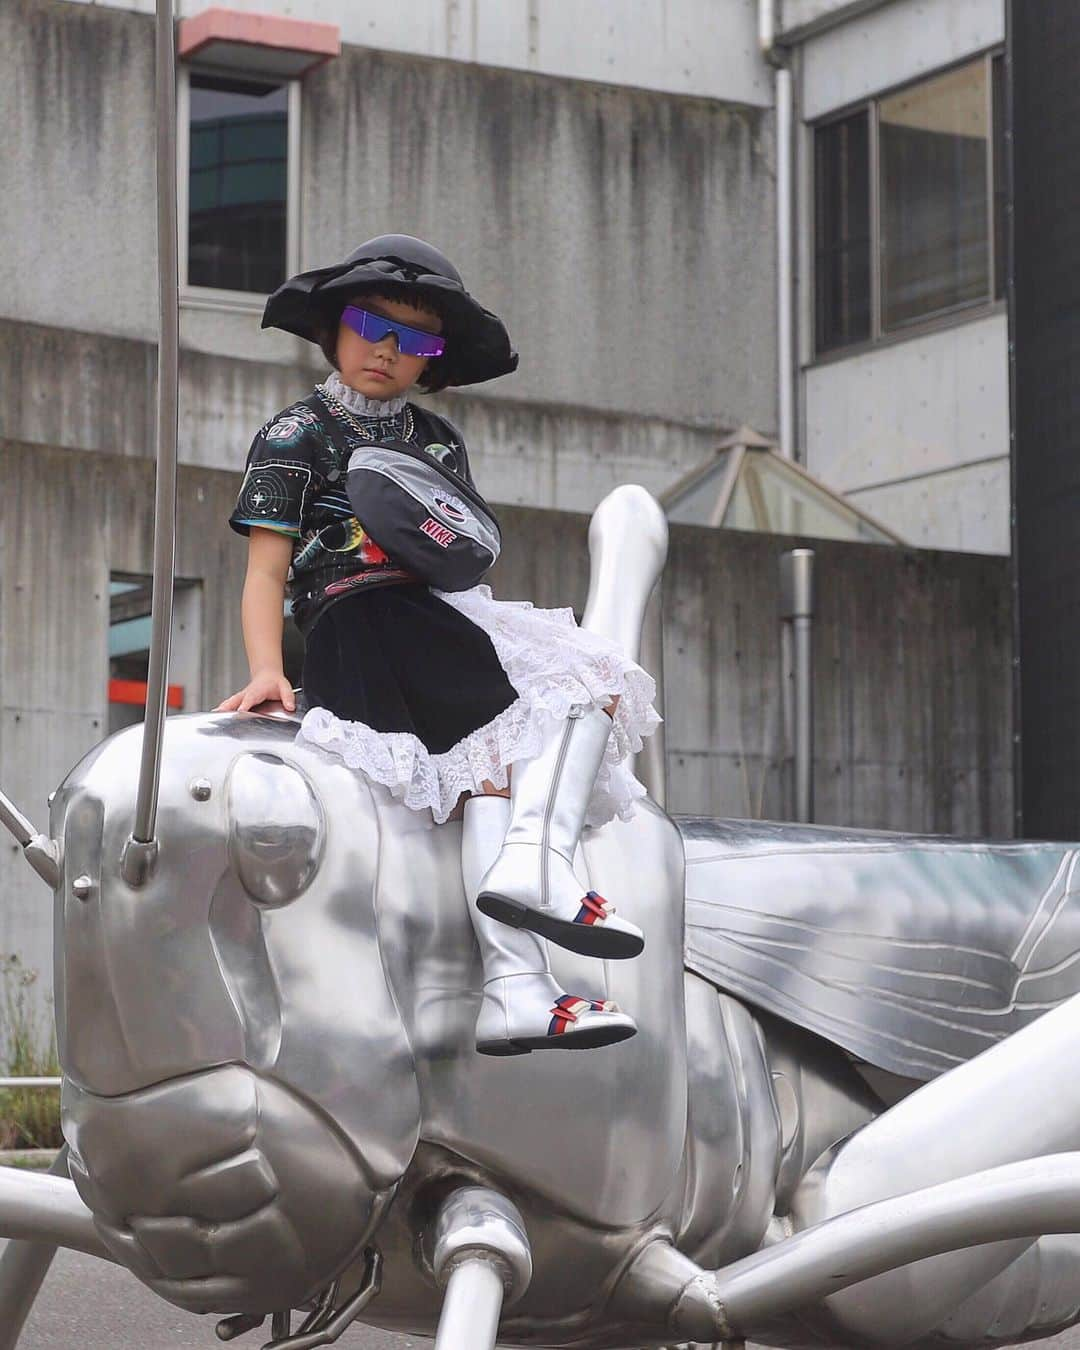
(280, 474)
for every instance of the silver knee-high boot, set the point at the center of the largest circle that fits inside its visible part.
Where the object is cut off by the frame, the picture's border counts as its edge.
(532, 883)
(524, 1007)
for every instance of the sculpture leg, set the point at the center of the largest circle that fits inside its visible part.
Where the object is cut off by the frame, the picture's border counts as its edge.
(1037, 1296)
(1014, 1101)
(23, 1268)
(482, 1258)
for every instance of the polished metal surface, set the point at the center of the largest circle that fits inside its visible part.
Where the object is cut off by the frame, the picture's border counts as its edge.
(23, 1267)
(270, 1059)
(913, 952)
(275, 1107)
(470, 1315)
(1023, 1199)
(45, 1208)
(477, 1220)
(38, 850)
(628, 544)
(139, 861)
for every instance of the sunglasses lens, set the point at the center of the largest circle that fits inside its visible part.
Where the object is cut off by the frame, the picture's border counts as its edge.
(416, 343)
(411, 341)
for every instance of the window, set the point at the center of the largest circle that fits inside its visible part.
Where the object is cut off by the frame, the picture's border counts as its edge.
(129, 647)
(237, 181)
(909, 207)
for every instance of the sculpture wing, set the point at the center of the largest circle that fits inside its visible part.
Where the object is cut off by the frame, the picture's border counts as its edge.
(912, 952)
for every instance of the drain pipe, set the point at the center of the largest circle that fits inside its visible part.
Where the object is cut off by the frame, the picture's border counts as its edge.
(785, 243)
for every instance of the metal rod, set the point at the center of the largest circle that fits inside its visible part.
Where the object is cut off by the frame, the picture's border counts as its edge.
(785, 262)
(165, 493)
(23, 1268)
(470, 1315)
(785, 233)
(13, 819)
(1025, 1199)
(40, 1208)
(797, 610)
(31, 1082)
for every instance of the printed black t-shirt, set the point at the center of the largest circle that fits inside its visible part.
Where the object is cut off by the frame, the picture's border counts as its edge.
(294, 482)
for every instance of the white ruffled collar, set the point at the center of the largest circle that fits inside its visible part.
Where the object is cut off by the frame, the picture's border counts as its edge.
(359, 404)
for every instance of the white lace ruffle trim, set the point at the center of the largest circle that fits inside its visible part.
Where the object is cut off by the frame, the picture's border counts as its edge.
(553, 664)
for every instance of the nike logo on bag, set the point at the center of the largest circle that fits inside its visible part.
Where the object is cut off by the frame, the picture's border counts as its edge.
(442, 536)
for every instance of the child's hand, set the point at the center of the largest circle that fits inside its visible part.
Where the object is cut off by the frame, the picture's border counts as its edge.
(265, 686)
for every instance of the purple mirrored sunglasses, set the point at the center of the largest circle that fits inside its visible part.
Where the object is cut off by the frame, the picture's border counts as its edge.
(410, 341)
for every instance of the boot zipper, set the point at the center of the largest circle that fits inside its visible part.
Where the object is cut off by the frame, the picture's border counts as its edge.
(549, 806)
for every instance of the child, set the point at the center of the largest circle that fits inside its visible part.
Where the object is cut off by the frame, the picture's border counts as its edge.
(439, 696)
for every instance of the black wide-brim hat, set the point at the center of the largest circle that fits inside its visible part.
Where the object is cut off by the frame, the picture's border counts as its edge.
(477, 344)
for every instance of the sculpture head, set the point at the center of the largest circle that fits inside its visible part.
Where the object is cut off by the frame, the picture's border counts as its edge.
(240, 1097)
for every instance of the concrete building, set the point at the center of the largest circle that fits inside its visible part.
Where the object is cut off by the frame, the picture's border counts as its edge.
(902, 349)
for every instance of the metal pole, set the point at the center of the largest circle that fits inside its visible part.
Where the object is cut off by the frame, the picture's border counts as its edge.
(785, 238)
(470, 1315)
(137, 861)
(23, 1268)
(1024, 1199)
(482, 1258)
(797, 609)
(785, 264)
(38, 849)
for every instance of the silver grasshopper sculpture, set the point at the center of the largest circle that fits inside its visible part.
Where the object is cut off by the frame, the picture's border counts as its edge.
(846, 1116)
(853, 1056)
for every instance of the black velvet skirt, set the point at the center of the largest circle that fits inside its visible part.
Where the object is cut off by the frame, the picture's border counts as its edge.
(398, 658)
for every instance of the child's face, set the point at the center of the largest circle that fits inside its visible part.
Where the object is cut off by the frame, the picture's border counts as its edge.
(378, 369)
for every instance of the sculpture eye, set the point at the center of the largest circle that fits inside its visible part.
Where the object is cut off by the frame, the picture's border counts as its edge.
(276, 828)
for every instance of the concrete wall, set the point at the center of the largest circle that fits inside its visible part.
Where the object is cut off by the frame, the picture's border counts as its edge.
(624, 235)
(695, 47)
(916, 429)
(917, 433)
(892, 44)
(912, 652)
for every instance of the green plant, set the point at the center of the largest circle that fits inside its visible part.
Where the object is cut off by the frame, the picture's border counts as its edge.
(29, 1117)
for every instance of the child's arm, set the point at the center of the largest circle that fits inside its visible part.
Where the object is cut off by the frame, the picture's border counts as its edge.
(262, 618)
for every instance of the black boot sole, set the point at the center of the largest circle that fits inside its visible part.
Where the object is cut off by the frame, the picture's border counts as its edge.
(586, 939)
(592, 1039)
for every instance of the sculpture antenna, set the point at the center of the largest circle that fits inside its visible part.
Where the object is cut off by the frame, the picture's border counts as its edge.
(139, 854)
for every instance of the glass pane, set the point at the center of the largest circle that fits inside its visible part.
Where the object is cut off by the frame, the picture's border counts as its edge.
(237, 184)
(842, 232)
(934, 142)
(769, 496)
(696, 504)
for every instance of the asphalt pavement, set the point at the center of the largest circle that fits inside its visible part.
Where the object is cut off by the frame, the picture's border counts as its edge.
(87, 1304)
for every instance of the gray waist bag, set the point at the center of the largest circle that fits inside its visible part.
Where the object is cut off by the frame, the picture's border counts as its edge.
(430, 521)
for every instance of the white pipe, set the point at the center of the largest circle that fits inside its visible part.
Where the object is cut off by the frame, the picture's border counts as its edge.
(470, 1312)
(785, 241)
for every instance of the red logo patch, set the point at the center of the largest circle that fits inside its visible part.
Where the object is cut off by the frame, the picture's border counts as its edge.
(442, 536)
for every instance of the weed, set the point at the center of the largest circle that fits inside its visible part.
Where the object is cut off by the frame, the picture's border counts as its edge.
(29, 1117)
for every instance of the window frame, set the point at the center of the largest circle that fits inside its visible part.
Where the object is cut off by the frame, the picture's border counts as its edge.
(213, 297)
(964, 312)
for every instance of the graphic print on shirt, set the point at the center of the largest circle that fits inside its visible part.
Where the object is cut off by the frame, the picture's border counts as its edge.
(270, 490)
(294, 483)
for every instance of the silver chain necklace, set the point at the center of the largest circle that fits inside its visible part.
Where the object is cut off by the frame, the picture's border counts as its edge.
(373, 428)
